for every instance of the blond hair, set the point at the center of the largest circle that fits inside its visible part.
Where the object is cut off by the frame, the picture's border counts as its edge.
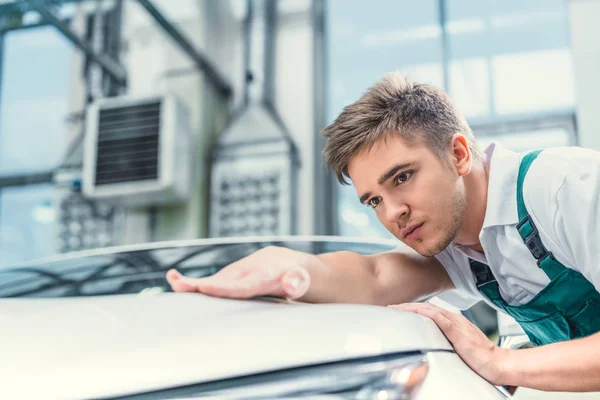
(419, 113)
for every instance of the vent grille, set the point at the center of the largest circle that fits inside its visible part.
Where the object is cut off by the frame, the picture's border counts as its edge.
(128, 140)
(250, 205)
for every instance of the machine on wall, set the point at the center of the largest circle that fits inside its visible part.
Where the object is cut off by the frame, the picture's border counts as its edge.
(138, 151)
(94, 217)
(255, 161)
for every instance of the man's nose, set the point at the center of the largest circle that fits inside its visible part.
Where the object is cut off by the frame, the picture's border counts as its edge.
(396, 211)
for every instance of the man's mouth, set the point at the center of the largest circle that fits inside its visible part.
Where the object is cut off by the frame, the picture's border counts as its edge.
(412, 230)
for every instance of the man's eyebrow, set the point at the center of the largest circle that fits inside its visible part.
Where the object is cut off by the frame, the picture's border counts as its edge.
(391, 172)
(364, 197)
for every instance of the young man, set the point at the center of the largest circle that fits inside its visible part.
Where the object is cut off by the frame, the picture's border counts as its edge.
(520, 231)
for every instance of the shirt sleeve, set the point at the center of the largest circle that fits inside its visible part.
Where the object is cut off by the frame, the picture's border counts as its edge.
(458, 268)
(568, 212)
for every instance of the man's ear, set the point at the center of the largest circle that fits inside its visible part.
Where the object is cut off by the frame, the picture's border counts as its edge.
(460, 154)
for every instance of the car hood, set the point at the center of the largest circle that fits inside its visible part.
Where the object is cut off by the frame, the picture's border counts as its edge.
(114, 345)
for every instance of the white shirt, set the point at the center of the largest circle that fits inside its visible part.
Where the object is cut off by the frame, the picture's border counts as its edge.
(562, 194)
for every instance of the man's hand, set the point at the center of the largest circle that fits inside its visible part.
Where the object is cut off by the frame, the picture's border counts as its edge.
(333, 277)
(475, 349)
(272, 271)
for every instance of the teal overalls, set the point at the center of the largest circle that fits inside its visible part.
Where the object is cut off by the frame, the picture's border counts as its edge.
(567, 308)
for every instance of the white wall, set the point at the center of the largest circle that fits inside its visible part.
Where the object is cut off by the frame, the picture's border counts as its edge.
(294, 97)
(156, 65)
(149, 56)
(585, 32)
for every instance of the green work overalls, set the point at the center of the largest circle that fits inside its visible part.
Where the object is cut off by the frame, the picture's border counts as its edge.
(567, 308)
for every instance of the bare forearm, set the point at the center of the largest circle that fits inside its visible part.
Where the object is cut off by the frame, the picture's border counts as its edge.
(409, 277)
(381, 279)
(572, 366)
(340, 277)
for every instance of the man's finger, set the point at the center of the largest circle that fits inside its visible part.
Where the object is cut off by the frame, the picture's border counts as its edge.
(178, 282)
(242, 288)
(417, 307)
(442, 318)
(295, 283)
(253, 284)
(288, 281)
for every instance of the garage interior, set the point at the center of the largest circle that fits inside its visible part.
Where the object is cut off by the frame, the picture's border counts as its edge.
(228, 97)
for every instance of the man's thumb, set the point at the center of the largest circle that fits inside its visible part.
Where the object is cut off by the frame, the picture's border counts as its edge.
(295, 283)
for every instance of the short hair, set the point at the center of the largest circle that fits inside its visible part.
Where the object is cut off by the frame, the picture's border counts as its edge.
(419, 113)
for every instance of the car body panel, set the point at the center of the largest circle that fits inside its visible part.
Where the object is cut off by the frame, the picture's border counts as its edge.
(74, 347)
(101, 324)
(450, 378)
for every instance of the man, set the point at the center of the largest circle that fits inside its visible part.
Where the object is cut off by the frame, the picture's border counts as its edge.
(479, 224)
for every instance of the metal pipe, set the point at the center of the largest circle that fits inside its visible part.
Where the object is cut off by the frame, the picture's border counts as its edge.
(116, 71)
(95, 78)
(270, 32)
(203, 63)
(24, 180)
(326, 187)
(28, 26)
(1, 75)
(247, 29)
(1, 67)
(443, 21)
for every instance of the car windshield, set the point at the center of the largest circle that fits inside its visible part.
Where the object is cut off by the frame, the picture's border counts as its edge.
(143, 271)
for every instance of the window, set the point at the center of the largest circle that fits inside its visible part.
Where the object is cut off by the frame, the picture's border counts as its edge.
(27, 217)
(505, 60)
(364, 44)
(33, 137)
(526, 135)
(34, 105)
(509, 57)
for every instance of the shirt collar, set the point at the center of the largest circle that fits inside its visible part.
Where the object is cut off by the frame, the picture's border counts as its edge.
(501, 208)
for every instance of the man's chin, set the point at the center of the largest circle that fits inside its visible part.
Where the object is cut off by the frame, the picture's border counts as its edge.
(428, 251)
(425, 249)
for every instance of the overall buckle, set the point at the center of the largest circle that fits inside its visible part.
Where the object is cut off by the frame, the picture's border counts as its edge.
(482, 272)
(533, 240)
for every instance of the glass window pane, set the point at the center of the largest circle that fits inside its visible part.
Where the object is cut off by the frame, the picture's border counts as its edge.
(365, 44)
(27, 228)
(525, 135)
(470, 86)
(34, 105)
(525, 141)
(529, 82)
(509, 56)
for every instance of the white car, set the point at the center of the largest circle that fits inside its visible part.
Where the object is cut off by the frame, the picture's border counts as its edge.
(102, 325)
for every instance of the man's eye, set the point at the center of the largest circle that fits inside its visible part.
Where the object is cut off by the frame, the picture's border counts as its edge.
(403, 177)
(374, 202)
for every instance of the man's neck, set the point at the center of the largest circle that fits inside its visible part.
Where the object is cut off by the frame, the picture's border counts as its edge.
(476, 189)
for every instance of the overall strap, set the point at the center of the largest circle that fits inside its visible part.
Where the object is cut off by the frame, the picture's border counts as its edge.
(527, 229)
(485, 281)
(482, 272)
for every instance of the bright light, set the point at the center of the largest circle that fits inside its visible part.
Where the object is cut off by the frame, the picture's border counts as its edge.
(238, 9)
(44, 214)
(358, 219)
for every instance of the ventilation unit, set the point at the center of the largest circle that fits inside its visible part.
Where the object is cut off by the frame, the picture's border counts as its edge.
(255, 161)
(137, 151)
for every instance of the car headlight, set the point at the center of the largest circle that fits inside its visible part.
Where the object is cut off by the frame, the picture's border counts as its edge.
(381, 378)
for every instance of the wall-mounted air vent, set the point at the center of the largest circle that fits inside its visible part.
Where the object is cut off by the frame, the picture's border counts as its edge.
(137, 151)
(127, 148)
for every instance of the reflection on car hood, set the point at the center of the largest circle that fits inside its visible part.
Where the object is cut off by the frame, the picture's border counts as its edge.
(103, 346)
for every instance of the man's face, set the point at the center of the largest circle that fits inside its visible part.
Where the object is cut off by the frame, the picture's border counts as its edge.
(417, 197)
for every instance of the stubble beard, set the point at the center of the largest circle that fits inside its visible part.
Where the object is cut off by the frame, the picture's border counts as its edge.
(458, 211)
